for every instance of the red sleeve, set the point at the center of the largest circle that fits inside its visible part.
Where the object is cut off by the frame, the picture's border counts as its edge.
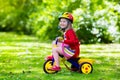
(70, 37)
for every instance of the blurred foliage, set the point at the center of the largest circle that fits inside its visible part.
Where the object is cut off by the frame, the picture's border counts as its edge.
(95, 21)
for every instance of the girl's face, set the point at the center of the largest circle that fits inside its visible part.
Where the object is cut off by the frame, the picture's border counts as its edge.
(63, 23)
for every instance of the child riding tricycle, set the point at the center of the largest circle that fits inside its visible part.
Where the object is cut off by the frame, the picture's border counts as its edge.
(77, 64)
(67, 48)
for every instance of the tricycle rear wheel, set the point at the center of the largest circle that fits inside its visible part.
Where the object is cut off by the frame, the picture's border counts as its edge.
(86, 68)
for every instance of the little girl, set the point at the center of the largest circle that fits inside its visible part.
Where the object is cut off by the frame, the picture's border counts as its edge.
(71, 50)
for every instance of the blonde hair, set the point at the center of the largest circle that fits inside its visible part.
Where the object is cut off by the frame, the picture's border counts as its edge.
(69, 26)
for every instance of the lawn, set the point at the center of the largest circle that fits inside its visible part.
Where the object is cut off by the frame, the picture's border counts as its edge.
(22, 58)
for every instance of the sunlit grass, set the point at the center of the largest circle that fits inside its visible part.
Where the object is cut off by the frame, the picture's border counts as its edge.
(22, 58)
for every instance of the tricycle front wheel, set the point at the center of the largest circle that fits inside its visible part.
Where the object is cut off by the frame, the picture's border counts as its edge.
(47, 66)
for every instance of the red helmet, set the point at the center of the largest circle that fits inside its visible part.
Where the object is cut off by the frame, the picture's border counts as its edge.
(68, 16)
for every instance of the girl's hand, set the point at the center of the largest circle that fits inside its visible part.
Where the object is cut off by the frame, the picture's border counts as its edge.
(60, 39)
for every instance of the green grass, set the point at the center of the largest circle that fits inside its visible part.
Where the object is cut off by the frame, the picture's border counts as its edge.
(22, 58)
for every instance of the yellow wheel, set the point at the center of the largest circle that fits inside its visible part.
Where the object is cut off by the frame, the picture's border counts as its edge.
(47, 66)
(86, 68)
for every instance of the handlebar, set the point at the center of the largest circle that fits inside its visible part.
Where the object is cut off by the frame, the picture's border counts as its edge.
(56, 41)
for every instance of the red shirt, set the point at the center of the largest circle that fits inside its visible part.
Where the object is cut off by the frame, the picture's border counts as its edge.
(71, 39)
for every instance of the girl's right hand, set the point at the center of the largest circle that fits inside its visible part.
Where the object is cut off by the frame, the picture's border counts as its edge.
(60, 39)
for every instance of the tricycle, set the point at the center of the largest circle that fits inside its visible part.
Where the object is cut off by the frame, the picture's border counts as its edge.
(77, 64)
